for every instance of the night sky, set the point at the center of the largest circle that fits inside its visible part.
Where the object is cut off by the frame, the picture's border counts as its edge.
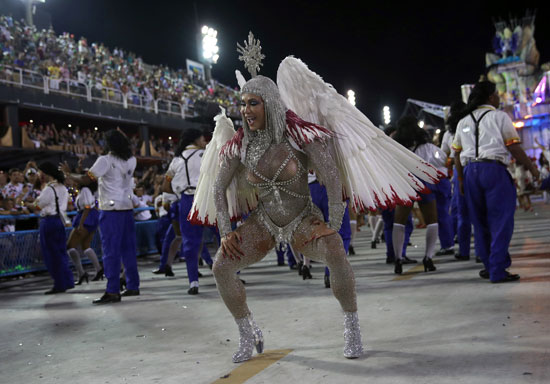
(386, 52)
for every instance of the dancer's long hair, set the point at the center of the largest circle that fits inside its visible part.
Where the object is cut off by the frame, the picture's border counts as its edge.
(479, 96)
(187, 137)
(118, 144)
(457, 112)
(409, 134)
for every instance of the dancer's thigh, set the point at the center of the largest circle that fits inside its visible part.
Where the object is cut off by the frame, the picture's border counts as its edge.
(256, 241)
(309, 228)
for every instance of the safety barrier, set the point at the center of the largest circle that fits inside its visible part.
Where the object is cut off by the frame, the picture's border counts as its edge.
(72, 87)
(20, 251)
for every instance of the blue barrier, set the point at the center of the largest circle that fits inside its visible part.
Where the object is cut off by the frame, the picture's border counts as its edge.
(70, 213)
(20, 251)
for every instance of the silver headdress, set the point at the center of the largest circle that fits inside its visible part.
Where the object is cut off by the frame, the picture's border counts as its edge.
(256, 142)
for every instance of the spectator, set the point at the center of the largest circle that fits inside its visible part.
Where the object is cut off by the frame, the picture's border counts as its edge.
(142, 200)
(15, 187)
(3, 180)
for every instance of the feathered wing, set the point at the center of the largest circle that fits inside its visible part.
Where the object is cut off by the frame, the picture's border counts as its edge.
(376, 171)
(240, 196)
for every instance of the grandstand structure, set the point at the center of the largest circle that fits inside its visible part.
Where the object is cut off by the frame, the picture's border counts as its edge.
(48, 78)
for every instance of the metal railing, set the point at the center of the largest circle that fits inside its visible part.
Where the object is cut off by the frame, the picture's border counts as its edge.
(91, 92)
(20, 250)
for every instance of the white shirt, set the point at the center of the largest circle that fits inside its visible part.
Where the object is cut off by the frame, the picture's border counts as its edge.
(85, 199)
(142, 203)
(159, 206)
(311, 178)
(433, 155)
(46, 200)
(115, 182)
(496, 132)
(446, 143)
(177, 172)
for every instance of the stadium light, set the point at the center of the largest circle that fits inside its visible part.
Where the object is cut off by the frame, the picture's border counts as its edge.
(421, 123)
(438, 131)
(351, 97)
(69, 125)
(210, 47)
(387, 114)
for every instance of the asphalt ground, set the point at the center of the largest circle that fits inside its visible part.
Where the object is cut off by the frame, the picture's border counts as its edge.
(447, 326)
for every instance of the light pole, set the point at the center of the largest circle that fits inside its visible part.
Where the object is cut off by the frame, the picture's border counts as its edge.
(351, 97)
(387, 114)
(29, 7)
(210, 49)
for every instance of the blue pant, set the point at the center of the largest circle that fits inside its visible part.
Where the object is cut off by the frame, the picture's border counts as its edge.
(191, 238)
(320, 198)
(388, 216)
(459, 212)
(54, 251)
(442, 193)
(281, 255)
(169, 236)
(118, 239)
(491, 200)
(205, 255)
(162, 225)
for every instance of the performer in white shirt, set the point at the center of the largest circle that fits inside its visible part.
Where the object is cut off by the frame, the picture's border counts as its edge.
(462, 224)
(411, 136)
(182, 178)
(484, 139)
(85, 225)
(52, 203)
(114, 174)
(171, 236)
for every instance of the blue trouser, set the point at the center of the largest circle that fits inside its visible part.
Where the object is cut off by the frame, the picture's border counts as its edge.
(459, 211)
(442, 193)
(54, 251)
(162, 225)
(205, 255)
(118, 239)
(388, 216)
(281, 255)
(320, 198)
(191, 238)
(169, 236)
(491, 200)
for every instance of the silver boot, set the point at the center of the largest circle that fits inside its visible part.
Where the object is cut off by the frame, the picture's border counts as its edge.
(250, 336)
(352, 336)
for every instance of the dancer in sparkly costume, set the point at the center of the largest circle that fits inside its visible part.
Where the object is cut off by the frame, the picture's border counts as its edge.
(264, 166)
(280, 173)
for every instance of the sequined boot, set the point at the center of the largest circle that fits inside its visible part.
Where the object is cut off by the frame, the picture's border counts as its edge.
(250, 336)
(352, 336)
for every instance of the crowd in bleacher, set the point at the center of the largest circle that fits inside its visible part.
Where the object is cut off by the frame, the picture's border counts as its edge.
(19, 189)
(65, 58)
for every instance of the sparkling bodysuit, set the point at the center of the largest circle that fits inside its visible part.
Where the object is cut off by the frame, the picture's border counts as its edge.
(284, 213)
(281, 178)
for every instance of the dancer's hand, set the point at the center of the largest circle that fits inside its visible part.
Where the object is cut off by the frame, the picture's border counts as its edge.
(231, 246)
(319, 229)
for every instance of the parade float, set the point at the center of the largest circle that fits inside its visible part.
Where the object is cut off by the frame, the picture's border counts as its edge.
(522, 83)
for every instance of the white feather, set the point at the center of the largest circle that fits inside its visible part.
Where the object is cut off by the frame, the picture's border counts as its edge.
(240, 78)
(241, 197)
(204, 209)
(375, 170)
